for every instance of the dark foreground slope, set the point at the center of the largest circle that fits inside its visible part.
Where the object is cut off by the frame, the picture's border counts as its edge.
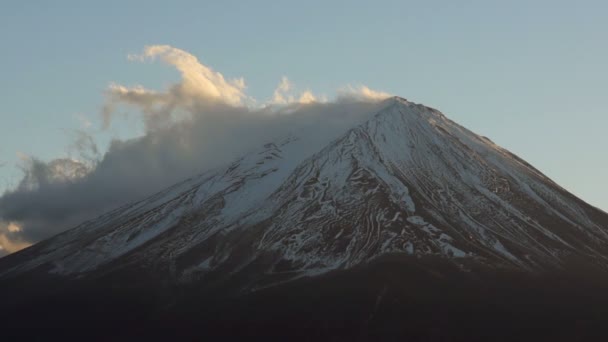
(393, 298)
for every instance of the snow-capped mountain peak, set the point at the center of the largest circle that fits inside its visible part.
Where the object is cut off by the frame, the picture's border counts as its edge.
(407, 180)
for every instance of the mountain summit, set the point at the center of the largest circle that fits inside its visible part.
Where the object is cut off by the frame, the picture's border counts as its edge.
(406, 185)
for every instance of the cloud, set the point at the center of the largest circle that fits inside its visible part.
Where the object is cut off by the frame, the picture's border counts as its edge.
(280, 93)
(84, 147)
(307, 97)
(199, 123)
(85, 123)
(13, 228)
(199, 84)
(360, 93)
(40, 174)
(283, 95)
(10, 240)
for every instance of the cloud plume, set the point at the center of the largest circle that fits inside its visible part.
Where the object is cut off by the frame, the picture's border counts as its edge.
(201, 122)
(283, 95)
(360, 93)
(199, 84)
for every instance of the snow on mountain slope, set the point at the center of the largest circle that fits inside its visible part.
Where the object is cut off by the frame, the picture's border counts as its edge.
(408, 180)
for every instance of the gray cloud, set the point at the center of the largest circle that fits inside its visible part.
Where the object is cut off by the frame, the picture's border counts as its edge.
(199, 123)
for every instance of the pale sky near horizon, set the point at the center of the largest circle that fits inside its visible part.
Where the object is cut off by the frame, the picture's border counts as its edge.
(530, 75)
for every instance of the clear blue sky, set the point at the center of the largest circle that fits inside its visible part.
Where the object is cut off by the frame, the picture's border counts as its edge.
(531, 75)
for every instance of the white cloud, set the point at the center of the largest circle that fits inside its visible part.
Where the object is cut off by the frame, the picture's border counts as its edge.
(199, 84)
(307, 97)
(361, 93)
(284, 95)
(198, 80)
(281, 93)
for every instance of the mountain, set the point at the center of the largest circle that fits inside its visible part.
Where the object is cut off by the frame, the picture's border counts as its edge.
(407, 199)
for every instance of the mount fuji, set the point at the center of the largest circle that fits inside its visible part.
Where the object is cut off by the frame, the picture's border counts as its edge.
(405, 225)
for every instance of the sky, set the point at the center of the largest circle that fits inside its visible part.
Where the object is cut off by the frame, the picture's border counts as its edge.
(530, 75)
